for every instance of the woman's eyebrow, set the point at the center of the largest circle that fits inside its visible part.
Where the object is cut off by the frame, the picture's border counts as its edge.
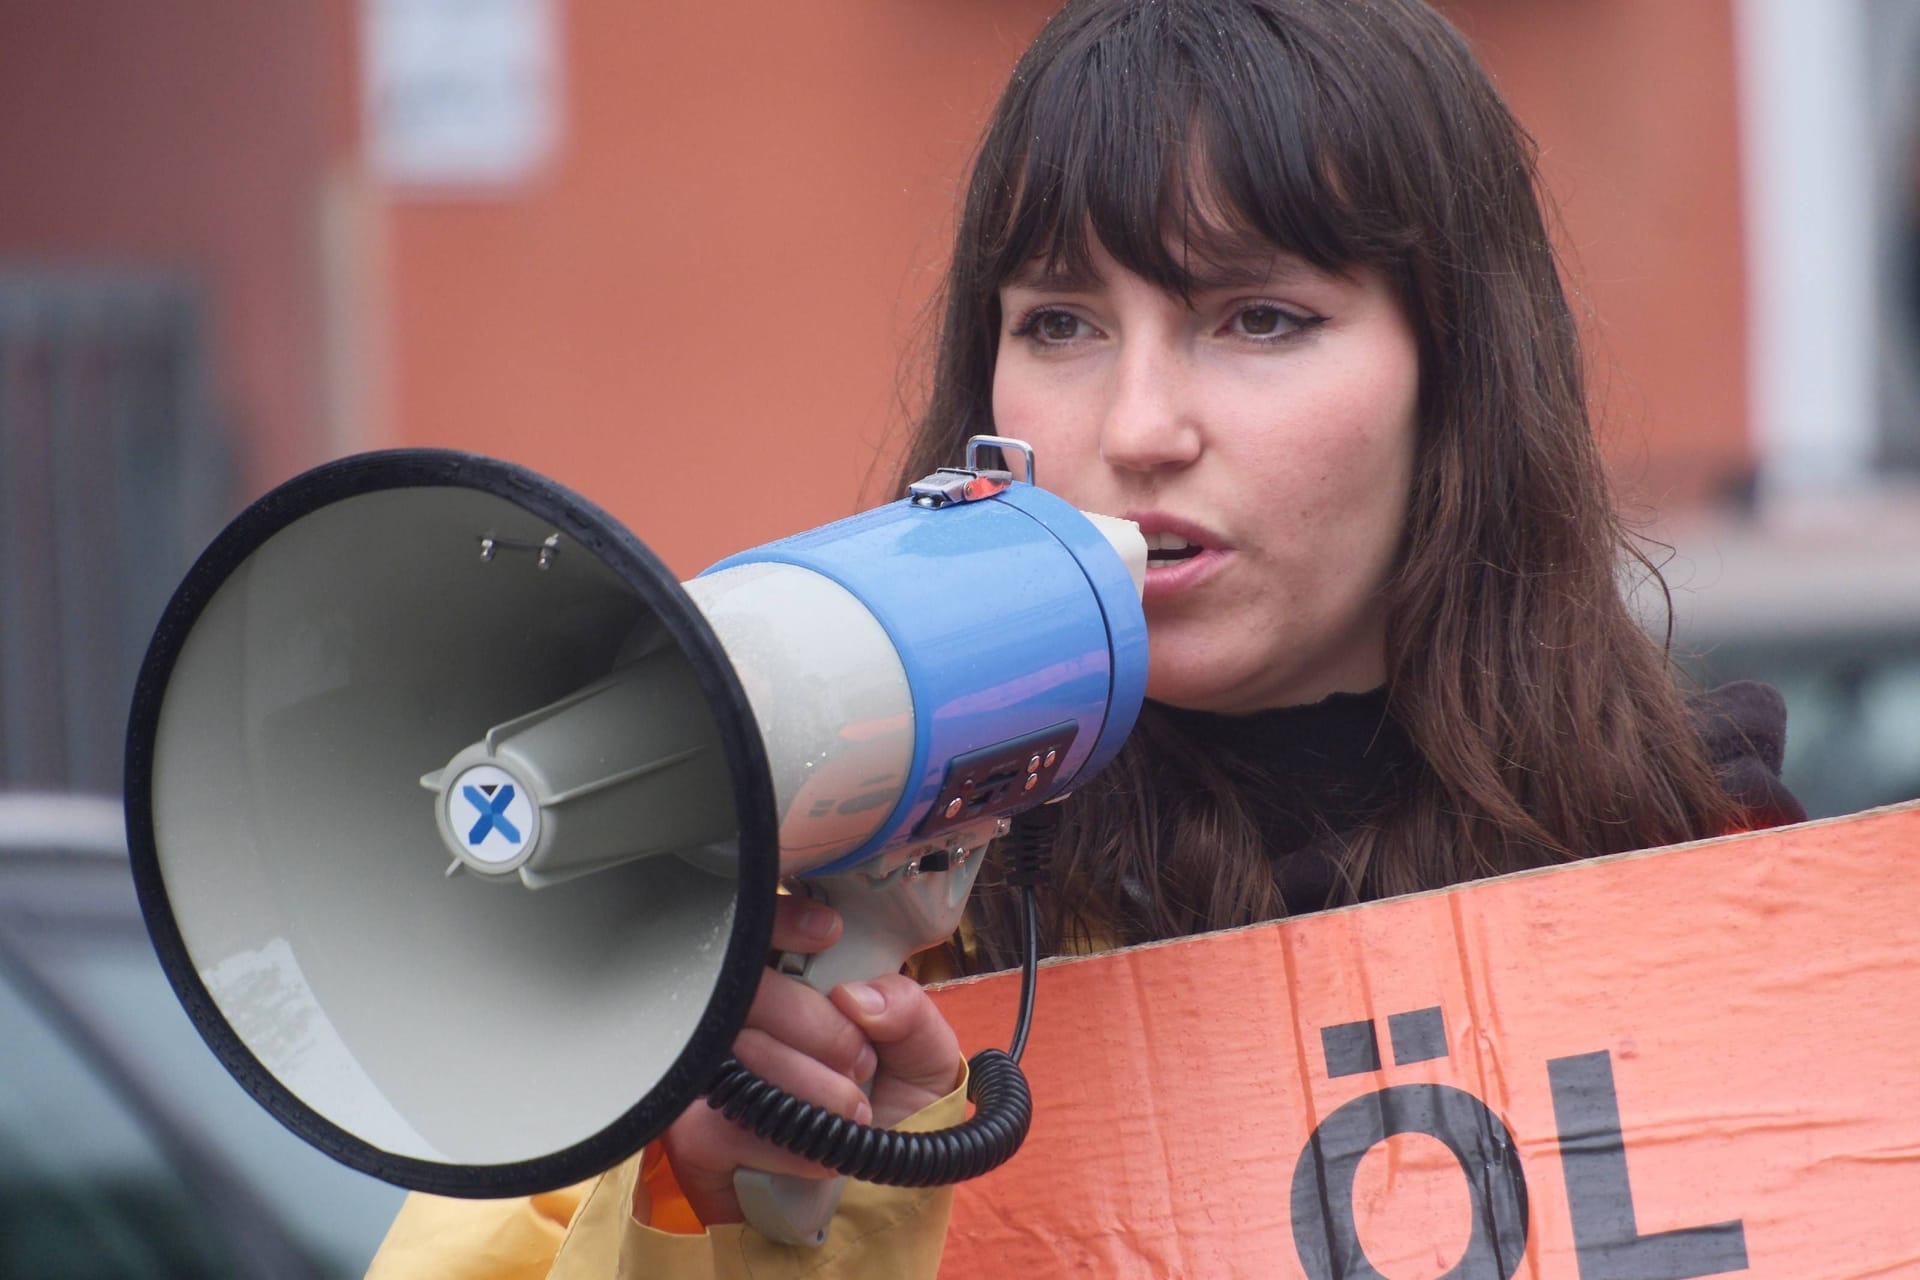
(1263, 267)
(1250, 270)
(1063, 277)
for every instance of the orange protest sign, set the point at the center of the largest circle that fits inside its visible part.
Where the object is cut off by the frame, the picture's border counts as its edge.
(1695, 1061)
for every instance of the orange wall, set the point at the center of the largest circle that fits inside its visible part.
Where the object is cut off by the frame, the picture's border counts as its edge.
(1634, 105)
(712, 290)
(192, 136)
(697, 319)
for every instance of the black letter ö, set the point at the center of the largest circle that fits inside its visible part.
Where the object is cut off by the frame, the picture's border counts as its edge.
(1323, 1225)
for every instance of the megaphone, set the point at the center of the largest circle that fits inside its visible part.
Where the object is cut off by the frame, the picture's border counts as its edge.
(458, 822)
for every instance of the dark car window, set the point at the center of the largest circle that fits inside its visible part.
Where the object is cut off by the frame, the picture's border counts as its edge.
(125, 1148)
(84, 1191)
(1853, 715)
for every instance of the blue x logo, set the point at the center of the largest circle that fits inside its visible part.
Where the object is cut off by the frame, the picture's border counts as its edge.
(493, 814)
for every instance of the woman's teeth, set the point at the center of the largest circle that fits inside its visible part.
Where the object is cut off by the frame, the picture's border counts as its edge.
(1169, 548)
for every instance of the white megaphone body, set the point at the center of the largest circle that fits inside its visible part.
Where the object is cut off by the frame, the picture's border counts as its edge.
(458, 823)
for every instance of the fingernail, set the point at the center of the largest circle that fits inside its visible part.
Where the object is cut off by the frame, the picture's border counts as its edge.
(818, 923)
(862, 1113)
(870, 998)
(865, 1064)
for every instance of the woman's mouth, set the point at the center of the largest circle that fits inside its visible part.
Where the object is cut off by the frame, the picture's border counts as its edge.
(1177, 562)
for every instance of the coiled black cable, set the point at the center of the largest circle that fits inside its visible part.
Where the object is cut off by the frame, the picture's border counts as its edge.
(1003, 1105)
(995, 1085)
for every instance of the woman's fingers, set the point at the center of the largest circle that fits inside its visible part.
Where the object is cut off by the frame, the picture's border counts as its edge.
(795, 1014)
(705, 1148)
(919, 1054)
(798, 1040)
(817, 1049)
(803, 925)
(800, 1075)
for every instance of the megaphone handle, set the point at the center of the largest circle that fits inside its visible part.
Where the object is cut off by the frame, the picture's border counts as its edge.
(882, 923)
(780, 1206)
(786, 1209)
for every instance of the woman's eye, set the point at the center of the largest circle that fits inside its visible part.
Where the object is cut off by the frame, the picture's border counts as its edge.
(1059, 326)
(1260, 321)
(1051, 327)
(1264, 320)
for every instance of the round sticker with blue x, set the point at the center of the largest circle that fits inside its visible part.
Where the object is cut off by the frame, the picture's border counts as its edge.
(492, 814)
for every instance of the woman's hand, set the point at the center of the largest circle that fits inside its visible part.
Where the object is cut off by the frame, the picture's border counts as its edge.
(822, 1050)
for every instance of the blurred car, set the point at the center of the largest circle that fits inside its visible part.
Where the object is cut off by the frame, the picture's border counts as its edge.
(126, 1150)
(1821, 599)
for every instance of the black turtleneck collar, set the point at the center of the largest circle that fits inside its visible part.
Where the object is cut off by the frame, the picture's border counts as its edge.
(1327, 768)
(1343, 737)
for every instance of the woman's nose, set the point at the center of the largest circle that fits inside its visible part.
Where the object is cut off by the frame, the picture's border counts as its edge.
(1151, 422)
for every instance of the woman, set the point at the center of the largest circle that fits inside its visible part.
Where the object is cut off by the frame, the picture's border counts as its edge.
(1270, 277)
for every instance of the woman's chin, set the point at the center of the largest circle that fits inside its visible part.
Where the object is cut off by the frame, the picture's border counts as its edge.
(1193, 685)
(1182, 689)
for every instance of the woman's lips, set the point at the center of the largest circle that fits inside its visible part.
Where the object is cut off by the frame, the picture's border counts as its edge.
(1169, 579)
(1181, 554)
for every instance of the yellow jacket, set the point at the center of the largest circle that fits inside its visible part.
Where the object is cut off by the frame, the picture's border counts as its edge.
(590, 1230)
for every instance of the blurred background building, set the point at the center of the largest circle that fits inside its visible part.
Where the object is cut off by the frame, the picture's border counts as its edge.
(679, 257)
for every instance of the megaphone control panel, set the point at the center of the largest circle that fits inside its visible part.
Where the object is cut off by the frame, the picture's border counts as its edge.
(997, 779)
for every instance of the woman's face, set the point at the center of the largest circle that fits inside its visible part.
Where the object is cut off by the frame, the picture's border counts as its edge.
(1261, 434)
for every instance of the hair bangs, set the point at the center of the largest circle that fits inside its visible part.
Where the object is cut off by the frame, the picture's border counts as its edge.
(1182, 147)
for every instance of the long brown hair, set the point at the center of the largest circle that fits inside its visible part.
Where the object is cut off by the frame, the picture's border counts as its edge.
(1355, 134)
